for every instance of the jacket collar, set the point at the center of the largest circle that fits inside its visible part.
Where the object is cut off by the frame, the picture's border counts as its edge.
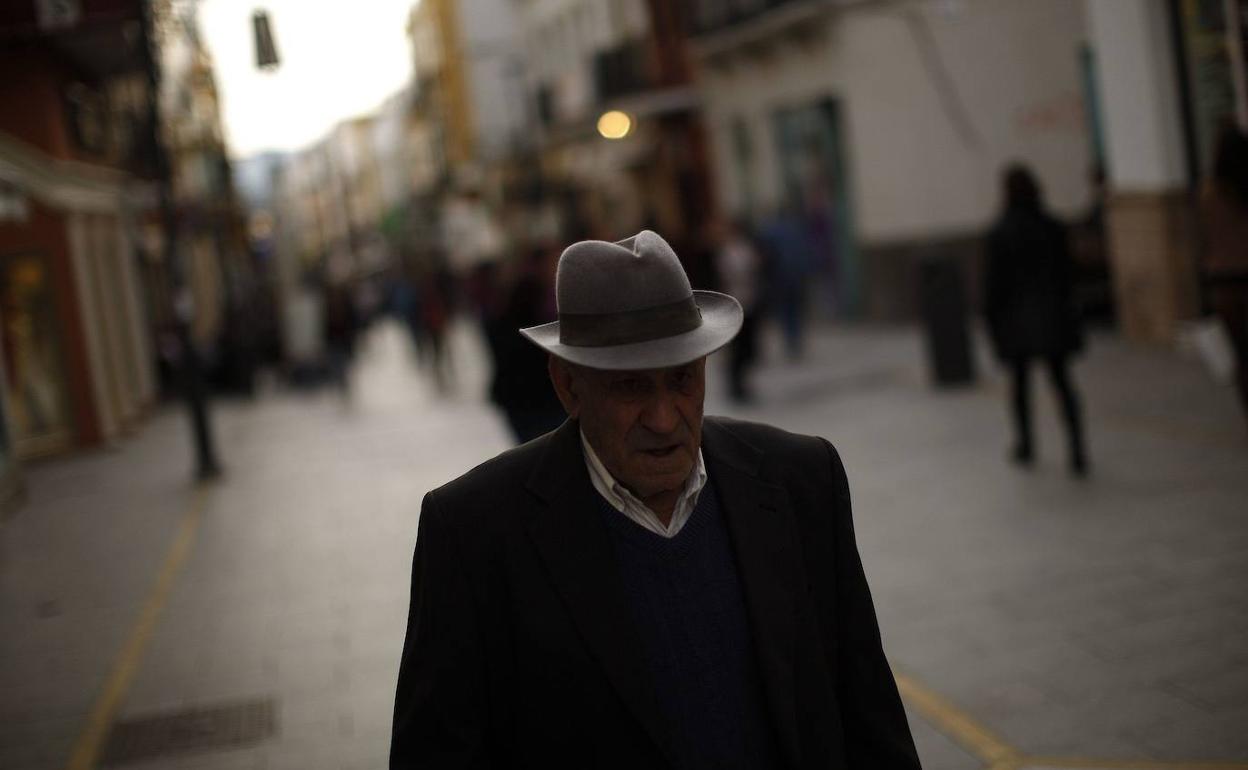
(577, 550)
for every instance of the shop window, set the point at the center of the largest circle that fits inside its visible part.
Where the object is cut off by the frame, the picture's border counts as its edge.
(33, 357)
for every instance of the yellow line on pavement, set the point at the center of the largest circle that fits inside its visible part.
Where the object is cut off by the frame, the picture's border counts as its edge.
(91, 741)
(959, 725)
(996, 754)
(1127, 764)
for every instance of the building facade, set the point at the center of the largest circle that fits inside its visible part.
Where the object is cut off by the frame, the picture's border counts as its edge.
(628, 61)
(467, 77)
(1170, 74)
(114, 105)
(888, 123)
(78, 349)
(882, 122)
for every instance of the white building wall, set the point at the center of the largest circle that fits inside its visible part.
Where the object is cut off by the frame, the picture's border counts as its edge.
(498, 105)
(105, 262)
(138, 331)
(1140, 93)
(914, 173)
(81, 256)
(494, 59)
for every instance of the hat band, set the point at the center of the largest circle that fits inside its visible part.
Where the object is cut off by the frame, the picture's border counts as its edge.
(596, 330)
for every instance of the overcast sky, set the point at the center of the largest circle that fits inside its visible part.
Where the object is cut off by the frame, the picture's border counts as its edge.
(339, 59)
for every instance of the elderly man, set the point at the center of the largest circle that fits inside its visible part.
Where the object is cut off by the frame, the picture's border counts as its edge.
(644, 588)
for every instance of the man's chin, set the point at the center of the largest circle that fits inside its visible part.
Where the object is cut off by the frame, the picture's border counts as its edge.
(662, 474)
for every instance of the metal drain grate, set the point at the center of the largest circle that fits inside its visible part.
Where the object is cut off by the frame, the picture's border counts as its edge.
(193, 730)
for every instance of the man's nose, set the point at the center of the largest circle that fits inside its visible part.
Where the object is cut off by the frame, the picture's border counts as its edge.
(661, 415)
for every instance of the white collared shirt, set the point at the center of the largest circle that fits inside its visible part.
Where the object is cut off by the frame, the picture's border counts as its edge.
(627, 503)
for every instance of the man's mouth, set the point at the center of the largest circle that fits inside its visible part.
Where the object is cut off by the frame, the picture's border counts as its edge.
(662, 451)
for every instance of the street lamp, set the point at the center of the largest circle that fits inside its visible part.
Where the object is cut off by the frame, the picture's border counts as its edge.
(266, 49)
(615, 124)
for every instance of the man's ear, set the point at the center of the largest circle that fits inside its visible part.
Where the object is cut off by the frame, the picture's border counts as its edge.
(561, 376)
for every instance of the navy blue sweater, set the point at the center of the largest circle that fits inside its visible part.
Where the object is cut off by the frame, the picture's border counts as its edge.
(690, 613)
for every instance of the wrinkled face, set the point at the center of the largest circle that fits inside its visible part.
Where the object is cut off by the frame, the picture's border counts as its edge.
(645, 426)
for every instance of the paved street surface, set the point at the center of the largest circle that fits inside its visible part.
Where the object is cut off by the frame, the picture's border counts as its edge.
(1033, 620)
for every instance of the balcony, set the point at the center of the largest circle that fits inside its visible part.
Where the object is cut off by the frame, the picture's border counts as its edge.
(706, 16)
(718, 26)
(624, 70)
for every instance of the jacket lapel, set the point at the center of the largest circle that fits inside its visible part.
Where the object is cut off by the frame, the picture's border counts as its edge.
(574, 544)
(759, 520)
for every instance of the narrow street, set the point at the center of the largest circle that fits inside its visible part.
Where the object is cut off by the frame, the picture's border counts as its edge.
(1033, 620)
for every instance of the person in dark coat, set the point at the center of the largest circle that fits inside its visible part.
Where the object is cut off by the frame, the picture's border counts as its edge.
(1224, 214)
(519, 386)
(1030, 310)
(739, 265)
(643, 587)
(341, 329)
(790, 265)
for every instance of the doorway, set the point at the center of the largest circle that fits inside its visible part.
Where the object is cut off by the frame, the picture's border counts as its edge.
(815, 186)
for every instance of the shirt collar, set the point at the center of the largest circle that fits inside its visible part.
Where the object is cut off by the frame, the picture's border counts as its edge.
(624, 501)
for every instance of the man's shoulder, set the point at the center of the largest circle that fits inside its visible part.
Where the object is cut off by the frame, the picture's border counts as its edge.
(767, 438)
(780, 452)
(493, 484)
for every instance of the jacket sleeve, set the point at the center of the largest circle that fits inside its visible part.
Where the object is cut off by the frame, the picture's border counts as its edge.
(877, 735)
(995, 289)
(1067, 278)
(439, 710)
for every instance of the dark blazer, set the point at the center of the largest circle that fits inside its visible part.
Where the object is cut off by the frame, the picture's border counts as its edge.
(1028, 292)
(518, 654)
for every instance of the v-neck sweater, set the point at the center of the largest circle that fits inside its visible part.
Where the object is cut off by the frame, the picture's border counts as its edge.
(689, 609)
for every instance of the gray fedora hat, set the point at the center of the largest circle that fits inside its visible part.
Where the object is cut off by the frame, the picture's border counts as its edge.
(628, 305)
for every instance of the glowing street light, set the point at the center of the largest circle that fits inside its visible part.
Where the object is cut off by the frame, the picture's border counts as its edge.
(615, 124)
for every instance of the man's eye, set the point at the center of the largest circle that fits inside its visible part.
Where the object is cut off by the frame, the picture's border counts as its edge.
(682, 380)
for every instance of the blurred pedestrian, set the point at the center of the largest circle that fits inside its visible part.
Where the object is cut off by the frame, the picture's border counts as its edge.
(520, 386)
(1224, 210)
(789, 257)
(341, 326)
(404, 304)
(739, 265)
(644, 588)
(1094, 289)
(435, 297)
(1030, 310)
(823, 232)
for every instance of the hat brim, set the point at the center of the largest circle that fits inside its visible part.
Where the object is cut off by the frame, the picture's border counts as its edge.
(721, 320)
